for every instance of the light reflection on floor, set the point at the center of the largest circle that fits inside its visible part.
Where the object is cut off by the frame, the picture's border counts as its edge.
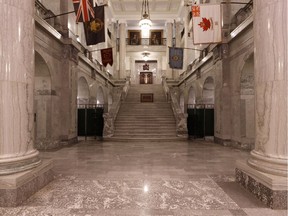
(143, 178)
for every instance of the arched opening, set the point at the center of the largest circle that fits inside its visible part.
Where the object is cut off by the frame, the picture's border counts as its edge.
(100, 96)
(208, 91)
(247, 112)
(83, 94)
(42, 103)
(191, 96)
(200, 120)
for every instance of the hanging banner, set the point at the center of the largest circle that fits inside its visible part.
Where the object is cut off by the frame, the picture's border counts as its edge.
(84, 10)
(207, 21)
(176, 57)
(94, 29)
(107, 56)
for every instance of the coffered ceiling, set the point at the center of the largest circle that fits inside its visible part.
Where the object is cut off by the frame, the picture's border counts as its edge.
(160, 10)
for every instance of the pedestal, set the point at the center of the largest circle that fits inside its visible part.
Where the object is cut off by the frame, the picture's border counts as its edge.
(270, 189)
(16, 188)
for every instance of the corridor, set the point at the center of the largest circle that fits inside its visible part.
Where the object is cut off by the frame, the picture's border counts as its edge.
(143, 178)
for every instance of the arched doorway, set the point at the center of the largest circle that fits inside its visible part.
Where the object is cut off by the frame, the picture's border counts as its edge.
(83, 94)
(247, 111)
(100, 96)
(42, 104)
(191, 96)
(208, 91)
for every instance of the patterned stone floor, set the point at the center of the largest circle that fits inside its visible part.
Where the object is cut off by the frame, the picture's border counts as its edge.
(143, 178)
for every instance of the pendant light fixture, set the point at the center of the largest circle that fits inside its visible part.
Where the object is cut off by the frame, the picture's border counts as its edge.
(145, 22)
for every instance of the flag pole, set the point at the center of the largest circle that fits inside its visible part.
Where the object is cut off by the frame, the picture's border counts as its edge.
(59, 15)
(189, 48)
(62, 14)
(187, 5)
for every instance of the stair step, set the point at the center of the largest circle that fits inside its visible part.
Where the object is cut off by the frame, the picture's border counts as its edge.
(145, 121)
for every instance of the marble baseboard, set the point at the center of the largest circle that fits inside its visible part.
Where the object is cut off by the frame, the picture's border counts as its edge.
(271, 190)
(71, 141)
(46, 144)
(224, 142)
(234, 144)
(16, 188)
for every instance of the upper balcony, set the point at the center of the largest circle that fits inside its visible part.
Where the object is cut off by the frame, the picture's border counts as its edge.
(146, 41)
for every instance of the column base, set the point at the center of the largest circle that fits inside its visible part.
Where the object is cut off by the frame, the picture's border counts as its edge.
(16, 188)
(270, 189)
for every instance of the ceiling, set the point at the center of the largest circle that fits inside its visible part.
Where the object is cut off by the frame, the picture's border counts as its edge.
(160, 10)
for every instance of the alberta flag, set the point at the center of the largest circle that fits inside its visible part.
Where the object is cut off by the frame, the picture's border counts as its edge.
(94, 29)
(176, 57)
(207, 21)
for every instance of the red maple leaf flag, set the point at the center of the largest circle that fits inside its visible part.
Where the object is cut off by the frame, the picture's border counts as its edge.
(205, 24)
(207, 21)
(84, 10)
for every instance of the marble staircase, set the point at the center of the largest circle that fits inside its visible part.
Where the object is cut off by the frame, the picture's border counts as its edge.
(138, 120)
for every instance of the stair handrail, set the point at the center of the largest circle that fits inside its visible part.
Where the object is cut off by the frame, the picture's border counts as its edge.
(181, 118)
(110, 116)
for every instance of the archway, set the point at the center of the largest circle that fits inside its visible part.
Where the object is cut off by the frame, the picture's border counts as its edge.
(42, 103)
(191, 96)
(247, 112)
(100, 96)
(208, 91)
(83, 94)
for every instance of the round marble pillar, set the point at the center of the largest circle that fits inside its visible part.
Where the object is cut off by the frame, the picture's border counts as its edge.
(17, 152)
(122, 50)
(270, 41)
(169, 43)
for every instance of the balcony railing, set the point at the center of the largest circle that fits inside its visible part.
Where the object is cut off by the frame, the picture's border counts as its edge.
(146, 41)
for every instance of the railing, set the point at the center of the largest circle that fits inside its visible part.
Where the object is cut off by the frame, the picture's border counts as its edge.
(146, 41)
(241, 15)
(181, 118)
(200, 106)
(109, 117)
(90, 106)
(43, 12)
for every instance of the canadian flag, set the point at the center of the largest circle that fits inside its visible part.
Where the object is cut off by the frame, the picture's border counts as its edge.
(207, 21)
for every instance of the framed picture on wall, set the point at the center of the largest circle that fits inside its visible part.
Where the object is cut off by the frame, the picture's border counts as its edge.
(156, 37)
(134, 37)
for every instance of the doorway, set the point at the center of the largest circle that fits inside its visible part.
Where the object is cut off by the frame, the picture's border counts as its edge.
(146, 78)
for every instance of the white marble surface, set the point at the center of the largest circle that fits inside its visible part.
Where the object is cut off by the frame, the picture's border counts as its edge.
(16, 81)
(191, 178)
(270, 33)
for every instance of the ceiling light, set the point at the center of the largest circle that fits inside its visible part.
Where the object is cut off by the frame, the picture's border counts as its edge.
(145, 22)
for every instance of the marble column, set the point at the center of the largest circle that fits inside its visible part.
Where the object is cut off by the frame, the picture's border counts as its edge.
(114, 46)
(122, 50)
(186, 44)
(265, 172)
(17, 152)
(21, 170)
(169, 38)
(178, 30)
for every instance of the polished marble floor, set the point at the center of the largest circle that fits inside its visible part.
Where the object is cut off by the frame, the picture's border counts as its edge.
(143, 178)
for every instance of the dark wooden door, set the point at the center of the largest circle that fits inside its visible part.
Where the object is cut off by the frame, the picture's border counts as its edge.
(146, 78)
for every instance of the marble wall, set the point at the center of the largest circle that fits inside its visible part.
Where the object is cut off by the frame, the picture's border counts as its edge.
(231, 93)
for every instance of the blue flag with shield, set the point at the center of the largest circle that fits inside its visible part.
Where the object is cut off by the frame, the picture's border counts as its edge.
(176, 57)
